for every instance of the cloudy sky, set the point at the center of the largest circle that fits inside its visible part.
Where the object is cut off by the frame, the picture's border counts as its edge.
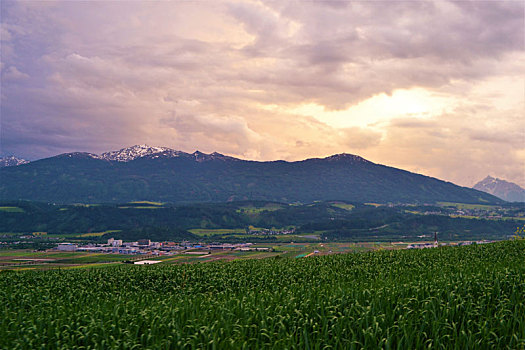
(432, 87)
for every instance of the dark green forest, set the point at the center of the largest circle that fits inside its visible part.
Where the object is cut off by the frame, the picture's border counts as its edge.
(333, 221)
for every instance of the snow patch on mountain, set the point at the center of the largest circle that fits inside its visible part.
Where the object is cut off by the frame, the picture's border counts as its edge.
(79, 155)
(137, 151)
(12, 161)
(150, 152)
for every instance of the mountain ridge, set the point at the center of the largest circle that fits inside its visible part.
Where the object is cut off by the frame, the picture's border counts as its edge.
(131, 153)
(162, 174)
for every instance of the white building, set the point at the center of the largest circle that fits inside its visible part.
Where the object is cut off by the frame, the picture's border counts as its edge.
(67, 247)
(147, 262)
(116, 243)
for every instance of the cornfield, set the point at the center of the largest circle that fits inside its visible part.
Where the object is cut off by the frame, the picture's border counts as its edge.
(453, 297)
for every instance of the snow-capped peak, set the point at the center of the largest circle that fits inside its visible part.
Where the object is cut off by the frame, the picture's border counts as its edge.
(508, 191)
(134, 152)
(12, 161)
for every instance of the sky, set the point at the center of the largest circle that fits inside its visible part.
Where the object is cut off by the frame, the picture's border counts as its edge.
(433, 87)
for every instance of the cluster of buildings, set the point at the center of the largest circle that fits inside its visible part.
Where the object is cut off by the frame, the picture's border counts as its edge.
(435, 244)
(146, 246)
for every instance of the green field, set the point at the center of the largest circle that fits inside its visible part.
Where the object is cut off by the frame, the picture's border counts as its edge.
(31, 254)
(12, 209)
(344, 206)
(254, 210)
(77, 235)
(467, 206)
(469, 297)
(147, 202)
(97, 234)
(27, 259)
(215, 232)
(140, 207)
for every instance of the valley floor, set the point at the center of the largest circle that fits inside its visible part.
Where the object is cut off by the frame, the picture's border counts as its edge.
(25, 259)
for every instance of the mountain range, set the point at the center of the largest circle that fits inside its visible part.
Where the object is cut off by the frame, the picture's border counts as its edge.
(502, 189)
(162, 174)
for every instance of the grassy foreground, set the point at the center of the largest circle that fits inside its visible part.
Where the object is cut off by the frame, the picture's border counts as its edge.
(461, 297)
